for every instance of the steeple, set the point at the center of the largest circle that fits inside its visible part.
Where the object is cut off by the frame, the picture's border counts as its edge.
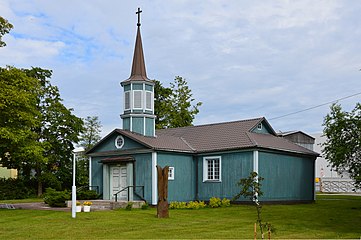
(138, 115)
(138, 66)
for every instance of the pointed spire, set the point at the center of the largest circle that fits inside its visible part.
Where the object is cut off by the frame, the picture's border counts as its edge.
(138, 67)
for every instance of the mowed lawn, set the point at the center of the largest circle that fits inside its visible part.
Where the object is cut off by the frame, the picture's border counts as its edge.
(329, 217)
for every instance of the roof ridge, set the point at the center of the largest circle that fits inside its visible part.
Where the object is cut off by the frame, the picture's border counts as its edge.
(212, 124)
(252, 140)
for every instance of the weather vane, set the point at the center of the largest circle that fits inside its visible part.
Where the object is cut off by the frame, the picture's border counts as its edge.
(138, 13)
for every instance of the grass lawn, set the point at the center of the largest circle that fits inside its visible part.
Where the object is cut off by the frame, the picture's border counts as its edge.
(28, 200)
(327, 218)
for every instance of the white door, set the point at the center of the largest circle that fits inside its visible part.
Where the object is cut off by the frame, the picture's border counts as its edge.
(119, 182)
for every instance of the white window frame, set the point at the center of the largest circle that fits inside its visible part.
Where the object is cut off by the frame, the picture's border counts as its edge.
(206, 177)
(141, 99)
(116, 142)
(151, 100)
(171, 173)
(129, 98)
(259, 126)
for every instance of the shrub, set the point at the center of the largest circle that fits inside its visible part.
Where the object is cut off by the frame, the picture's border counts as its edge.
(56, 198)
(16, 189)
(226, 202)
(215, 202)
(86, 194)
(189, 205)
(145, 206)
(129, 206)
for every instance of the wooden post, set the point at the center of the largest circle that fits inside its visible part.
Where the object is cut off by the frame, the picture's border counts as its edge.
(269, 231)
(162, 206)
(255, 231)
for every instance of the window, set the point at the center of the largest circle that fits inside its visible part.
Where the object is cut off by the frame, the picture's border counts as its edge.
(259, 127)
(171, 173)
(212, 169)
(138, 99)
(127, 100)
(119, 142)
(148, 100)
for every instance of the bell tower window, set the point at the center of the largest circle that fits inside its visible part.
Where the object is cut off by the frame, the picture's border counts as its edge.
(137, 99)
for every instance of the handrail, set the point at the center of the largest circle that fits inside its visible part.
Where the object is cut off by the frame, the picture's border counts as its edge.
(127, 188)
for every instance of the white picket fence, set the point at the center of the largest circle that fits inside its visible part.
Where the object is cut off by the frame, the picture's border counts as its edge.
(338, 185)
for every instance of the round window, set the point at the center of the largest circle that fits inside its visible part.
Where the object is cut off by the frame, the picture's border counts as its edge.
(119, 142)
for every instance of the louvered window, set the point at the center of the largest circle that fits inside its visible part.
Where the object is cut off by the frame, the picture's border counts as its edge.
(127, 100)
(137, 99)
(148, 100)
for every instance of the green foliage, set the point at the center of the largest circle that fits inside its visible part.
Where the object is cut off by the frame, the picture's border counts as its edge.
(37, 131)
(5, 28)
(251, 188)
(342, 147)
(145, 206)
(15, 189)
(129, 206)
(86, 194)
(173, 106)
(215, 202)
(91, 132)
(187, 205)
(56, 198)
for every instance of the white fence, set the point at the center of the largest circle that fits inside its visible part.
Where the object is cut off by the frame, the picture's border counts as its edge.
(338, 185)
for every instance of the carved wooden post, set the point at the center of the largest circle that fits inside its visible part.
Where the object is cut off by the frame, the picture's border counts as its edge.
(162, 207)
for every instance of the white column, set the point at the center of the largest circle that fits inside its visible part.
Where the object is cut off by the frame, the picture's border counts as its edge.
(255, 161)
(73, 190)
(154, 179)
(90, 172)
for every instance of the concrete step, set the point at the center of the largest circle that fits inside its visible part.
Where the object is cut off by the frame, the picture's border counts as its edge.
(108, 204)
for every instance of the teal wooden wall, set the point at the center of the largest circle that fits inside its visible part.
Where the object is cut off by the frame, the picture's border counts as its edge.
(149, 126)
(234, 167)
(97, 173)
(143, 173)
(109, 144)
(182, 188)
(265, 129)
(138, 125)
(286, 177)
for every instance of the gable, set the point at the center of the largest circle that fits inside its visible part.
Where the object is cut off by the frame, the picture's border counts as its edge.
(263, 127)
(115, 142)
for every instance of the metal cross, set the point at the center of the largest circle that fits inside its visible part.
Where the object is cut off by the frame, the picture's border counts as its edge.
(138, 12)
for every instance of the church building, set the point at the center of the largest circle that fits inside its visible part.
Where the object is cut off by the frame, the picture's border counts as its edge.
(204, 161)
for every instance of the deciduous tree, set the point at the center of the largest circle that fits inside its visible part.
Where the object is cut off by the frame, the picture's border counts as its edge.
(5, 28)
(174, 106)
(342, 147)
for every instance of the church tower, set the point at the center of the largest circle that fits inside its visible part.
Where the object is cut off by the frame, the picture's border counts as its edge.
(138, 115)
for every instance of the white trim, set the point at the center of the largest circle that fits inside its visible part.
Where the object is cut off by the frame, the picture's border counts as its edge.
(116, 142)
(205, 169)
(154, 179)
(131, 123)
(90, 171)
(171, 170)
(151, 101)
(144, 126)
(255, 161)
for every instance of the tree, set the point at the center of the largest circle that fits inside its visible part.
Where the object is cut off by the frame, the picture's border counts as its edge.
(39, 134)
(343, 140)
(5, 28)
(19, 116)
(91, 133)
(251, 188)
(173, 106)
(88, 138)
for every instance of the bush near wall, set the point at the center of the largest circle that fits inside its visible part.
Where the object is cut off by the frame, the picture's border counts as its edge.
(86, 194)
(213, 203)
(16, 189)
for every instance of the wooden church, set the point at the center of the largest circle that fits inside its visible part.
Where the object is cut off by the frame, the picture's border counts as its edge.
(204, 161)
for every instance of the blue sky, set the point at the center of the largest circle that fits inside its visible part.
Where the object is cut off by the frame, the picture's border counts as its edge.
(242, 59)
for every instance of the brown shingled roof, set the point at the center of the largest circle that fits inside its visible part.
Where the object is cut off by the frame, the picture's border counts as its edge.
(217, 137)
